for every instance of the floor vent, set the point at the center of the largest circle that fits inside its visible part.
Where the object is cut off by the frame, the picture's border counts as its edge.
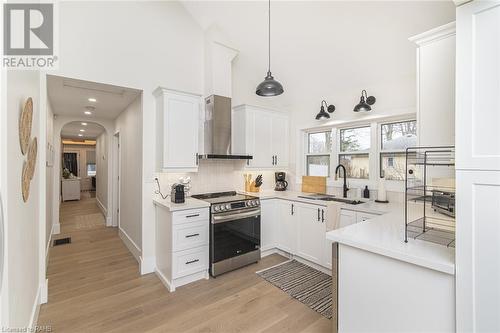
(62, 241)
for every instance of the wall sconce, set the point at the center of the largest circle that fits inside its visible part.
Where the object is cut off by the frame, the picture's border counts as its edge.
(364, 105)
(322, 113)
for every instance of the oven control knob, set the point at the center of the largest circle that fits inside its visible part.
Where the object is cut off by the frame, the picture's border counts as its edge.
(248, 203)
(216, 208)
(257, 202)
(228, 206)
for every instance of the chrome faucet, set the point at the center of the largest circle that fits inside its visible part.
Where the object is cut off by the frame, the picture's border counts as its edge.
(345, 188)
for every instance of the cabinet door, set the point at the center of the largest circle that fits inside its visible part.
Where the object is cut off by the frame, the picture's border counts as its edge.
(181, 125)
(311, 232)
(347, 218)
(280, 140)
(478, 86)
(286, 226)
(262, 136)
(268, 221)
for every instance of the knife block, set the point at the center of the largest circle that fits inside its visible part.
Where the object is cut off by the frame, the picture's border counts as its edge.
(252, 187)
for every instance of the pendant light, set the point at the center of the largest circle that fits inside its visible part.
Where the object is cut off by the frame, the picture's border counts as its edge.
(322, 113)
(269, 87)
(363, 105)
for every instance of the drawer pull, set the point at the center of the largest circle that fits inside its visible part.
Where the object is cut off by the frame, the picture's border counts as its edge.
(192, 261)
(192, 235)
(194, 215)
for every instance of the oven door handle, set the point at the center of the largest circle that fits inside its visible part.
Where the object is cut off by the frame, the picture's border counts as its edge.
(232, 217)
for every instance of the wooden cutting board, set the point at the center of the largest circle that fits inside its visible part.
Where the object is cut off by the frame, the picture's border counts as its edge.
(313, 184)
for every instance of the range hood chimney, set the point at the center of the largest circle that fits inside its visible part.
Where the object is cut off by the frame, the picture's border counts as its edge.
(217, 129)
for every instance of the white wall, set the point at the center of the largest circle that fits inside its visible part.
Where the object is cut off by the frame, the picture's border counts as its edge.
(128, 124)
(20, 292)
(161, 46)
(101, 158)
(49, 176)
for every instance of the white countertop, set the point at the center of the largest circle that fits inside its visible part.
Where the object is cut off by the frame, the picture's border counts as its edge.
(190, 203)
(384, 235)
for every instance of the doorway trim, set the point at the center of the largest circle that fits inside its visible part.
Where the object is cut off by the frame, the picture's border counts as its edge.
(116, 180)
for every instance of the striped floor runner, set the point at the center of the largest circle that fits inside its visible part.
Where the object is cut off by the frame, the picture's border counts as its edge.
(306, 284)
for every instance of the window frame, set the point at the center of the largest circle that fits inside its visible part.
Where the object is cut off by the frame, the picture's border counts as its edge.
(329, 154)
(367, 152)
(382, 151)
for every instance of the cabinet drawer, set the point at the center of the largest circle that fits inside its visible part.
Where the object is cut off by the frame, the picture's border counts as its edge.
(190, 261)
(192, 215)
(189, 235)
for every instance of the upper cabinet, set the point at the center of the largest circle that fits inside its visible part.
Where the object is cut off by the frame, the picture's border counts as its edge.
(178, 121)
(478, 86)
(436, 86)
(261, 133)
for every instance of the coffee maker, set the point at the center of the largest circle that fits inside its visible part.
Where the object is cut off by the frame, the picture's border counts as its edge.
(177, 194)
(281, 183)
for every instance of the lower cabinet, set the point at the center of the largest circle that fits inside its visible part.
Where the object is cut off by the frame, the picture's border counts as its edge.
(300, 228)
(182, 239)
(311, 232)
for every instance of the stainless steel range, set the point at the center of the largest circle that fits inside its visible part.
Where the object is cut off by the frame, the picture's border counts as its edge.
(234, 230)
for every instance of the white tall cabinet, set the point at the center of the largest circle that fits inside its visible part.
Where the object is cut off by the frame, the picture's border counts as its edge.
(436, 86)
(262, 133)
(178, 120)
(478, 167)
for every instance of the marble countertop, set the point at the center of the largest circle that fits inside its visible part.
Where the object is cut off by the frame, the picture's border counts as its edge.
(384, 235)
(190, 203)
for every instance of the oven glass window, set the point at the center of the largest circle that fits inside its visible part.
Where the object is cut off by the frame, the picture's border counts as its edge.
(236, 237)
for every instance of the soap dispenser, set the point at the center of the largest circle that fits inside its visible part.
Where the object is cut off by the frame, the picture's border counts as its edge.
(366, 192)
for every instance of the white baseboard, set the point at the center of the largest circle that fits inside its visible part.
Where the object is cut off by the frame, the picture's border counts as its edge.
(130, 244)
(44, 292)
(104, 212)
(56, 228)
(148, 265)
(35, 311)
(285, 254)
(165, 281)
(109, 221)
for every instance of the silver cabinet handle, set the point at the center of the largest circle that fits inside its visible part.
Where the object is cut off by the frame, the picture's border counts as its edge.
(292, 209)
(276, 159)
(192, 235)
(232, 217)
(194, 215)
(192, 261)
(318, 214)
(323, 215)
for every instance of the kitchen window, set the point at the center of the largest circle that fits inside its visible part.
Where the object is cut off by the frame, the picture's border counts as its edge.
(318, 157)
(354, 152)
(395, 138)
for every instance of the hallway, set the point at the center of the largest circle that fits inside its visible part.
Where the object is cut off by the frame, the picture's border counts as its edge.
(95, 286)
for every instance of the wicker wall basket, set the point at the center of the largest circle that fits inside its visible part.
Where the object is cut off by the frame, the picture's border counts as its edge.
(31, 159)
(25, 122)
(25, 182)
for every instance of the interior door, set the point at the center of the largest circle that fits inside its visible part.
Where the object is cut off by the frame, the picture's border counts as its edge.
(262, 129)
(311, 225)
(279, 140)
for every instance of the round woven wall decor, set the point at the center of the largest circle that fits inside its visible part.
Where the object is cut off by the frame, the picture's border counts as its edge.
(25, 182)
(31, 159)
(25, 121)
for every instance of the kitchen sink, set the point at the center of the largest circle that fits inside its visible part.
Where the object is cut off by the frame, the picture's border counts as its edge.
(329, 197)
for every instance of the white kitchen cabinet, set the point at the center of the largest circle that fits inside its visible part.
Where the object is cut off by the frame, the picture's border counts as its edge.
(347, 217)
(287, 226)
(178, 121)
(268, 224)
(261, 133)
(436, 86)
(311, 232)
(478, 167)
(182, 254)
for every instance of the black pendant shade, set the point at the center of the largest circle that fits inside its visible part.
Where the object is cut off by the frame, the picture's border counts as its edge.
(322, 113)
(364, 104)
(269, 87)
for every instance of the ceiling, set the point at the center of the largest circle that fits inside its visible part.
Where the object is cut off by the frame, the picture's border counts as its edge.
(322, 49)
(91, 131)
(69, 97)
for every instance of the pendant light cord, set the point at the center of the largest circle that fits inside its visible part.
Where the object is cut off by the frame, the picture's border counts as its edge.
(269, 39)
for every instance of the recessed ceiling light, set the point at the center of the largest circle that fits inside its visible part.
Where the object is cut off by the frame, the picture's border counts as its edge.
(80, 134)
(93, 100)
(84, 124)
(82, 130)
(88, 113)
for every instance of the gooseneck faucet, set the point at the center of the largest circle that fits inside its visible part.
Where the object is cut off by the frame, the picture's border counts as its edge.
(345, 188)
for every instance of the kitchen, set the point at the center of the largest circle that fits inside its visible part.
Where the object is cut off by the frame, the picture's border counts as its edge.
(320, 166)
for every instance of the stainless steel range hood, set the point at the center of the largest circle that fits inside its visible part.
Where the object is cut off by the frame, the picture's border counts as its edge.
(217, 129)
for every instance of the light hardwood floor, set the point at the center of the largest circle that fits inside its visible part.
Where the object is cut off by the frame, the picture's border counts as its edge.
(94, 286)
